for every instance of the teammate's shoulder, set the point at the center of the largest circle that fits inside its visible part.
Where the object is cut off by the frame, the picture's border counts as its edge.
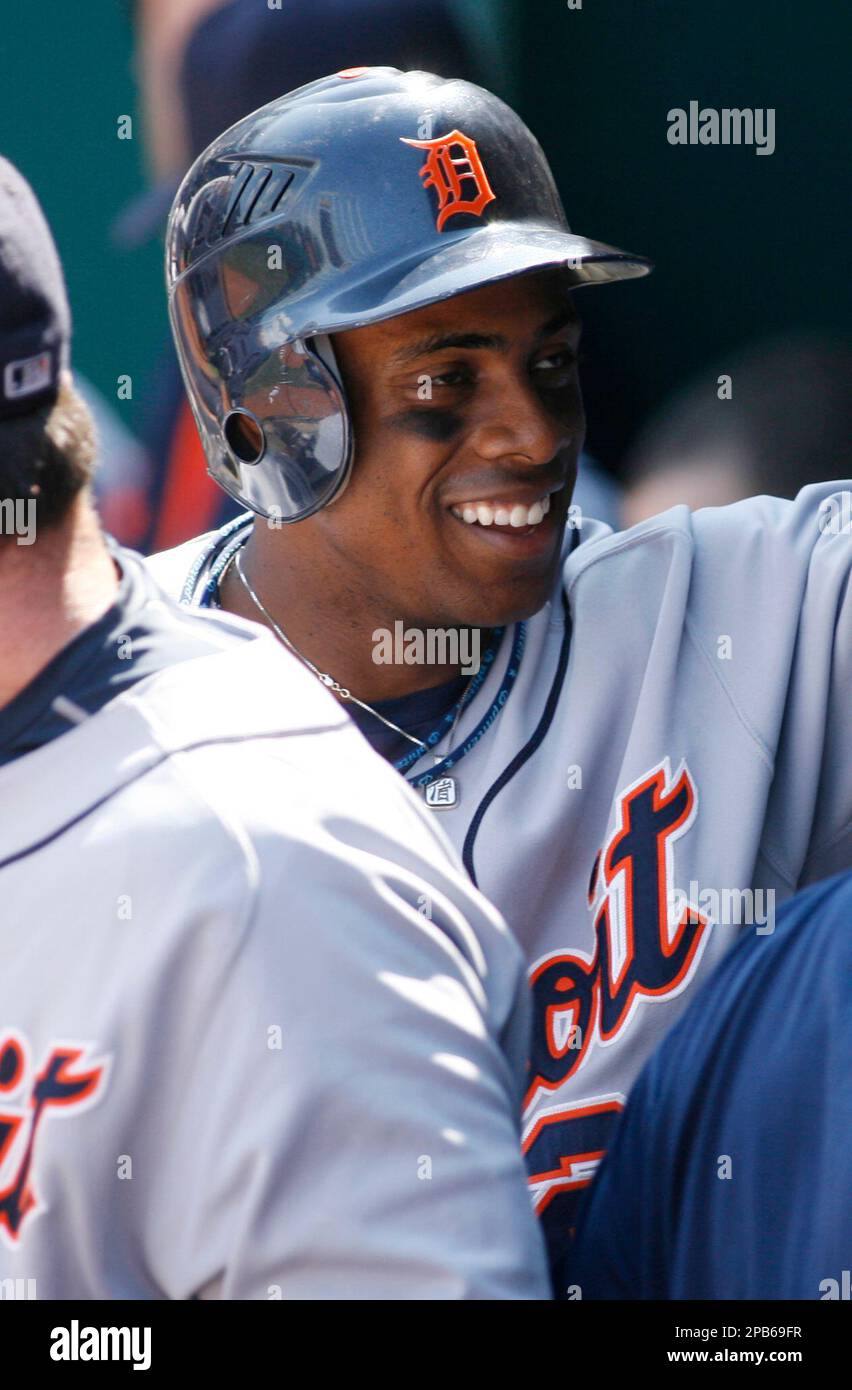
(774, 523)
(596, 543)
(170, 568)
(181, 632)
(268, 751)
(228, 736)
(235, 691)
(820, 509)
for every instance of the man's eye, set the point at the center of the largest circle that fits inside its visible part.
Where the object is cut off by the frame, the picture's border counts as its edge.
(452, 377)
(557, 361)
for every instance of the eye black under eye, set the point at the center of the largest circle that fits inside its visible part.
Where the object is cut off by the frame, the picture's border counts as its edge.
(436, 426)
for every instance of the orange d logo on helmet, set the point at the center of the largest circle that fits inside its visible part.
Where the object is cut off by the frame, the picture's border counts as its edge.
(452, 162)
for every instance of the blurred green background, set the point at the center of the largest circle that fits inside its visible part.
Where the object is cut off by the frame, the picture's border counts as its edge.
(743, 244)
(67, 77)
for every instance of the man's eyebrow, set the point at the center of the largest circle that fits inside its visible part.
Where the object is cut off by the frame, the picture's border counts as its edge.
(496, 342)
(438, 342)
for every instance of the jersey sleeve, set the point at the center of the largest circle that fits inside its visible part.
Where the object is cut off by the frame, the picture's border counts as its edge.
(349, 1124)
(771, 582)
(814, 764)
(830, 843)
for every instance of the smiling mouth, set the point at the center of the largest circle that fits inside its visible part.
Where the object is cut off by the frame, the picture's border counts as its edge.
(517, 531)
(514, 517)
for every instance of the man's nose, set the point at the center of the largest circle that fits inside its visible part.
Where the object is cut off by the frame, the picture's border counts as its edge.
(516, 424)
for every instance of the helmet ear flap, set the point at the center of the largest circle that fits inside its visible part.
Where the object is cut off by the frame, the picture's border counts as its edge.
(273, 419)
(321, 346)
(306, 429)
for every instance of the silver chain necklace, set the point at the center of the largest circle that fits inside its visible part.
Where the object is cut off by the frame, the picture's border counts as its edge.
(339, 690)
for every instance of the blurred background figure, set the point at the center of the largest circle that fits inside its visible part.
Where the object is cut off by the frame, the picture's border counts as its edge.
(124, 476)
(770, 419)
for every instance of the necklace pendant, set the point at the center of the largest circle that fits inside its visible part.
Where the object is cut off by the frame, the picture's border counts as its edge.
(442, 794)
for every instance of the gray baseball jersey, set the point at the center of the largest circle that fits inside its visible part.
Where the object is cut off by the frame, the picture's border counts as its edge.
(675, 757)
(259, 1036)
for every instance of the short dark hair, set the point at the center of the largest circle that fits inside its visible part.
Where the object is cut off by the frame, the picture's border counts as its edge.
(49, 454)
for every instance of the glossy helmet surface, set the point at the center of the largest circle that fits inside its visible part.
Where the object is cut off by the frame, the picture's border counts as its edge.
(358, 197)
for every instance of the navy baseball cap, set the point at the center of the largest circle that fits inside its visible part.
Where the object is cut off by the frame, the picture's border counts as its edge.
(35, 320)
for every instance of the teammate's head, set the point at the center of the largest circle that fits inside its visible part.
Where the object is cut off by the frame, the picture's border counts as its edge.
(47, 444)
(319, 242)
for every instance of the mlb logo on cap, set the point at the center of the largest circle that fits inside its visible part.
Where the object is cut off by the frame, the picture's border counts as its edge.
(27, 376)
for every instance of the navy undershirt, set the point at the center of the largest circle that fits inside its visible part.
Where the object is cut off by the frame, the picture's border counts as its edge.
(418, 714)
(100, 662)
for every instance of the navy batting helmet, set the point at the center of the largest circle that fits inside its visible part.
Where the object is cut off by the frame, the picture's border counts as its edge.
(353, 199)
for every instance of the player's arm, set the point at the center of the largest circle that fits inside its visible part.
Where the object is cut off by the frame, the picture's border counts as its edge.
(350, 1126)
(830, 844)
(815, 770)
(773, 576)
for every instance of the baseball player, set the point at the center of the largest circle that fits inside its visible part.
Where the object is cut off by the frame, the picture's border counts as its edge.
(259, 1037)
(371, 286)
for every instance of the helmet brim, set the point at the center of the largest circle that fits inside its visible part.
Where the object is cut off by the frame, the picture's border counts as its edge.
(470, 261)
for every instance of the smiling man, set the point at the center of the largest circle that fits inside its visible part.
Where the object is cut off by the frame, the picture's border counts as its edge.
(455, 511)
(371, 288)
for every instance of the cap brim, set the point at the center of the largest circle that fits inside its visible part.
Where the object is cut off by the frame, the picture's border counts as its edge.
(481, 257)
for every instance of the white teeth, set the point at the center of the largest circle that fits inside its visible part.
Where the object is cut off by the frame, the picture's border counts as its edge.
(495, 514)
